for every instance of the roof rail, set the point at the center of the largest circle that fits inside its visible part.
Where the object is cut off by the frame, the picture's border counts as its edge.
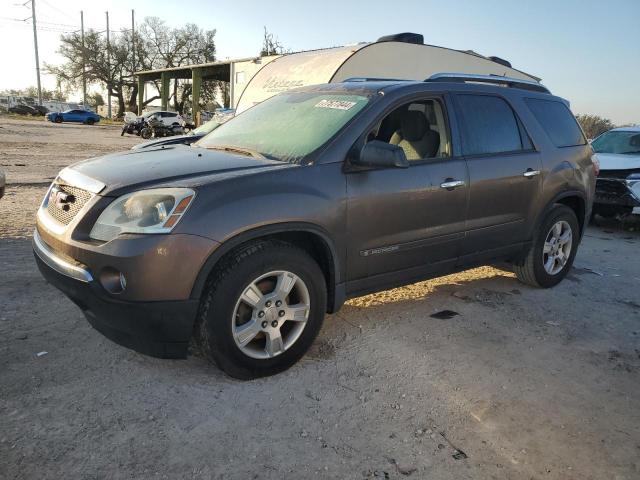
(496, 79)
(371, 79)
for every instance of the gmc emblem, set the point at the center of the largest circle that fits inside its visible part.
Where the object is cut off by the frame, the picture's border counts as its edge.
(60, 199)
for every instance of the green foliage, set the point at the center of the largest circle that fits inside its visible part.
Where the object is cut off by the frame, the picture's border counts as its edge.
(594, 125)
(95, 100)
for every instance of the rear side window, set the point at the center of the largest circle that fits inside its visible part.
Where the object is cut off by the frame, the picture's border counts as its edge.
(489, 126)
(558, 121)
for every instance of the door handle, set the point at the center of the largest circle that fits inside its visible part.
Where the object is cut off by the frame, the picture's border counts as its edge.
(450, 184)
(531, 173)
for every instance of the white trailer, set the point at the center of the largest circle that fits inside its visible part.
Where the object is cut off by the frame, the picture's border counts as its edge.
(402, 56)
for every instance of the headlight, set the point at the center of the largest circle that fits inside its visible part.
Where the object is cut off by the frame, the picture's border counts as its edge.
(146, 211)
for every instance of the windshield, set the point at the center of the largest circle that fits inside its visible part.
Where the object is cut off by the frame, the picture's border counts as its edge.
(620, 142)
(288, 126)
(205, 128)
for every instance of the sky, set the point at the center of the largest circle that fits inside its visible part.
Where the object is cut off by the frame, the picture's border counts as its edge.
(585, 51)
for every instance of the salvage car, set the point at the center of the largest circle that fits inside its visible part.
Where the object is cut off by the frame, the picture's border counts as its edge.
(78, 116)
(187, 139)
(24, 110)
(618, 185)
(243, 241)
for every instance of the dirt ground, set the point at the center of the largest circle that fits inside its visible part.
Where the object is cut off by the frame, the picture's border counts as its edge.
(522, 384)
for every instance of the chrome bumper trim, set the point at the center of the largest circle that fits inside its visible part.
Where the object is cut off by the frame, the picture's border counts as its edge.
(60, 265)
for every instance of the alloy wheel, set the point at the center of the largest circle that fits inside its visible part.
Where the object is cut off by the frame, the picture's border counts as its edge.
(270, 314)
(557, 247)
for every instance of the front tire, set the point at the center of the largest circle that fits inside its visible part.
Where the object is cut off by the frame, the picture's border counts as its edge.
(58, 120)
(554, 248)
(146, 133)
(90, 121)
(261, 309)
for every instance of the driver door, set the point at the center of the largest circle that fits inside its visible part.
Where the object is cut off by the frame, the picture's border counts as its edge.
(405, 222)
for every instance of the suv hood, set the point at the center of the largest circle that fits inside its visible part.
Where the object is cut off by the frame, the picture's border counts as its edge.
(617, 161)
(179, 164)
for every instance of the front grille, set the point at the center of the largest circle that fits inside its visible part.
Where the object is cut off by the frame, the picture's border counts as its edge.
(69, 210)
(615, 192)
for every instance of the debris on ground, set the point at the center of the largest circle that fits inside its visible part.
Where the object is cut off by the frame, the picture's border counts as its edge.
(41, 354)
(444, 314)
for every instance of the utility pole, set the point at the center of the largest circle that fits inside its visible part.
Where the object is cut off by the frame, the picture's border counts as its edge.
(84, 63)
(35, 44)
(133, 52)
(109, 70)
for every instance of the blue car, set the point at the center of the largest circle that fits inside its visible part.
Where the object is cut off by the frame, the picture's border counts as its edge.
(80, 116)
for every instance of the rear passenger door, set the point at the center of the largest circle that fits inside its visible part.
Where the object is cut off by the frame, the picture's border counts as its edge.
(504, 173)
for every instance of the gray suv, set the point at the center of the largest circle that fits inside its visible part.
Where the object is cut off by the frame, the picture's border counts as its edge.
(242, 242)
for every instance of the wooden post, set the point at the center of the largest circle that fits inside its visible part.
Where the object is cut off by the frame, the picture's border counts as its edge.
(140, 94)
(196, 85)
(164, 90)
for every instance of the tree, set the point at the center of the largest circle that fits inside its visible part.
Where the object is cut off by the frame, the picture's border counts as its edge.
(156, 46)
(32, 91)
(594, 125)
(95, 100)
(270, 45)
(175, 47)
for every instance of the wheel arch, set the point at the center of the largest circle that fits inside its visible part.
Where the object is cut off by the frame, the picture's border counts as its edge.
(575, 200)
(311, 238)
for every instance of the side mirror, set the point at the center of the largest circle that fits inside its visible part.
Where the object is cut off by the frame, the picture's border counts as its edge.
(378, 154)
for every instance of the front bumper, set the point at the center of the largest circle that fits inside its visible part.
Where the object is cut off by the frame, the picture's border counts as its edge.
(616, 191)
(157, 328)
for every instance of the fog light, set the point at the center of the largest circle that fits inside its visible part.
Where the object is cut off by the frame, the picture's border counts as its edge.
(113, 280)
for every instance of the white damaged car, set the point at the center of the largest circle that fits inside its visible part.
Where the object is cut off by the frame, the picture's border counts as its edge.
(618, 184)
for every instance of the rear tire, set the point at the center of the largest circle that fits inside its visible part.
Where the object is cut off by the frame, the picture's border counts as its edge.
(243, 292)
(550, 257)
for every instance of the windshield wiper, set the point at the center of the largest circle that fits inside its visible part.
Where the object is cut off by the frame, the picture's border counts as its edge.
(632, 152)
(240, 150)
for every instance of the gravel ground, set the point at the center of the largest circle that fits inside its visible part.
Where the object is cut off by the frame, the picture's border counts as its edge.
(522, 384)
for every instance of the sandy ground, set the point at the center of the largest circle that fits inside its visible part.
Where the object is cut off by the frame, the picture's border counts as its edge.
(523, 384)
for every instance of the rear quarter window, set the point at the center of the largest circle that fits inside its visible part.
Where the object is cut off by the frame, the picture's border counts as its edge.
(557, 121)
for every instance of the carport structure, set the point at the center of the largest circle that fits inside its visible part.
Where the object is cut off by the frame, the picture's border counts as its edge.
(222, 71)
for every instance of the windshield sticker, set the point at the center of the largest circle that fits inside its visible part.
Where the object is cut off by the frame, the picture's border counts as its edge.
(335, 104)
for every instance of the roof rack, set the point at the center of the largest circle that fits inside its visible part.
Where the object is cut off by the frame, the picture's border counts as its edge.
(373, 79)
(496, 79)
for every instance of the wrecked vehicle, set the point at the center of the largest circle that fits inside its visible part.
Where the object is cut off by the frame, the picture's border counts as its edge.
(618, 185)
(243, 241)
(186, 139)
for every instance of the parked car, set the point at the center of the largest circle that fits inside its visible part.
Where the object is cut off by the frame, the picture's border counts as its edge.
(24, 110)
(166, 117)
(79, 116)
(618, 185)
(187, 139)
(3, 181)
(245, 239)
(41, 109)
